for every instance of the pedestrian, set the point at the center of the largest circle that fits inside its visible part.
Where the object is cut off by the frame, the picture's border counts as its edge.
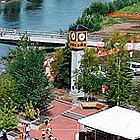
(3, 131)
(46, 121)
(48, 127)
(28, 136)
(27, 131)
(103, 88)
(51, 137)
(24, 132)
(38, 112)
(43, 134)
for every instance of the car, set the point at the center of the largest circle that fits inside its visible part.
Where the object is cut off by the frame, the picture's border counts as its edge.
(135, 67)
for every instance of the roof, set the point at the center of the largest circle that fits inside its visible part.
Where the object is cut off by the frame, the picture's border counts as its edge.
(117, 121)
(78, 28)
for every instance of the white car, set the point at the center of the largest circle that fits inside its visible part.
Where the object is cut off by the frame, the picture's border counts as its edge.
(135, 66)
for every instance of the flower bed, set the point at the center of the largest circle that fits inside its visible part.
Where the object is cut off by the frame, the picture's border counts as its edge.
(124, 15)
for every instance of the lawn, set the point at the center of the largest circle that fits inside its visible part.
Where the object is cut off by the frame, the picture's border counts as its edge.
(134, 9)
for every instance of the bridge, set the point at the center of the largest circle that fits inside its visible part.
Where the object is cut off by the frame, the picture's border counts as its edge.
(11, 36)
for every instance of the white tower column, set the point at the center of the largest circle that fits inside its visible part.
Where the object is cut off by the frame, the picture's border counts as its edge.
(75, 64)
(78, 42)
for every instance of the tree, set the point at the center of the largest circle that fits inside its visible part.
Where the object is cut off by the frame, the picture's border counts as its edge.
(89, 77)
(61, 68)
(9, 99)
(7, 119)
(119, 76)
(25, 65)
(8, 91)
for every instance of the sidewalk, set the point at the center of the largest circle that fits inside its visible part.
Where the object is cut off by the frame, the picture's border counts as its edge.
(64, 128)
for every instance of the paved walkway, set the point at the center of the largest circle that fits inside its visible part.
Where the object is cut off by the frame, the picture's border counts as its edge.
(64, 128)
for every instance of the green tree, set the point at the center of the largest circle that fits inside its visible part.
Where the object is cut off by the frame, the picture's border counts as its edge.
(8, 91)
(89, 77)
(25, 65)
(119, 76)
(93, 21)
(61, 68)
(7, 119)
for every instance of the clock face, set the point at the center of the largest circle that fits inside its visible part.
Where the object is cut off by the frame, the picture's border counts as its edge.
(81, 37)
(73, 36)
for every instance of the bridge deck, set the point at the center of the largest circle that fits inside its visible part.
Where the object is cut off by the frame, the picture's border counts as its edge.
(56, 38)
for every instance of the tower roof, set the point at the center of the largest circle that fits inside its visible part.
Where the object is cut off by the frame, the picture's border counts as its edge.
(78, 28)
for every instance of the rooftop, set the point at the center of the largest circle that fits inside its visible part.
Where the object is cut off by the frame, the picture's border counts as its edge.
(78, 28)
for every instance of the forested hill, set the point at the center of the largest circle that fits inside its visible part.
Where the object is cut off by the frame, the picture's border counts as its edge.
(93, 16)
(133, 9)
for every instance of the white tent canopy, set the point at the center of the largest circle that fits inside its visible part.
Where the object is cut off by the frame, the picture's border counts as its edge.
(117, 121)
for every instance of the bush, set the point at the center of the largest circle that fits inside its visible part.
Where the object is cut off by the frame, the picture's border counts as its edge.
(7, 119)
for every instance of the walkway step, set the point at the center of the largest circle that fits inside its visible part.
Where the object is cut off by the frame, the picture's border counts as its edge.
(72, 115)
(32, 125)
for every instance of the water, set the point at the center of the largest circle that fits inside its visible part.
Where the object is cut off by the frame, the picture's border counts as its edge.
(48, 15)
(44, 15)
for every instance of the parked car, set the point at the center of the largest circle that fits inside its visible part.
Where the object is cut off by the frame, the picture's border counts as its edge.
(135, 67)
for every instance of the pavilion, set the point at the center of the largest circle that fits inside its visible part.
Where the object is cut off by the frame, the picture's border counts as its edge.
(120, 122)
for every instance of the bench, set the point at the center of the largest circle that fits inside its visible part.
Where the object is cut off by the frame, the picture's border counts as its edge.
(92, 105)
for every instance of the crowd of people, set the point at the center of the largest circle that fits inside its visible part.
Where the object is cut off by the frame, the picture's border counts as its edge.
(45, 132)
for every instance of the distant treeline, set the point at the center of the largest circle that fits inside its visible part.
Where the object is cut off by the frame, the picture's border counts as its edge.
(95, 13)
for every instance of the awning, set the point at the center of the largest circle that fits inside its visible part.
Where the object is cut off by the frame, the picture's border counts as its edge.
(117, 121)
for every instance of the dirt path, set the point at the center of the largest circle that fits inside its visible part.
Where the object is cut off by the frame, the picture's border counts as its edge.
(131, 27)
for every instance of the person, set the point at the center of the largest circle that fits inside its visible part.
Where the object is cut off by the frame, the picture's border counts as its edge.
(38, 112)
(51, 137)
(28, 136)
(77, 136)
(24, 132)
(103, 88)
(46, 121)
(43, 134)
(131, 54)
(48, 127)
(28, 131)
(3, 131)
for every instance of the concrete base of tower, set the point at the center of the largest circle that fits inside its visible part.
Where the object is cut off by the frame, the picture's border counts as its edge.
(76, 93)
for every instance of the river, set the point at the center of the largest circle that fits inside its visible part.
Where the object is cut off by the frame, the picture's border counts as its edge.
(44, 15)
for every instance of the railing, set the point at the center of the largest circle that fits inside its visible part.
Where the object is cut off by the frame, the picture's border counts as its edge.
(31, 33)
(44, 34)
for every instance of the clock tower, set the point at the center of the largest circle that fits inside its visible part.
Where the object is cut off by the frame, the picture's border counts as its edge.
(78, 42)
(78, 37)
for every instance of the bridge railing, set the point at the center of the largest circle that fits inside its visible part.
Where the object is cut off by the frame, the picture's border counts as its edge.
(31, 33)
(45, 34)
(95, 38)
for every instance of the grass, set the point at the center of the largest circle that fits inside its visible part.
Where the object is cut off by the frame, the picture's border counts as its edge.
(108, 21)
(134, 9)
(127, 19)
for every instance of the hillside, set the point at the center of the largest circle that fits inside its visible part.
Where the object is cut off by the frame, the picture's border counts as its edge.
(134, 9)
(124, 25)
